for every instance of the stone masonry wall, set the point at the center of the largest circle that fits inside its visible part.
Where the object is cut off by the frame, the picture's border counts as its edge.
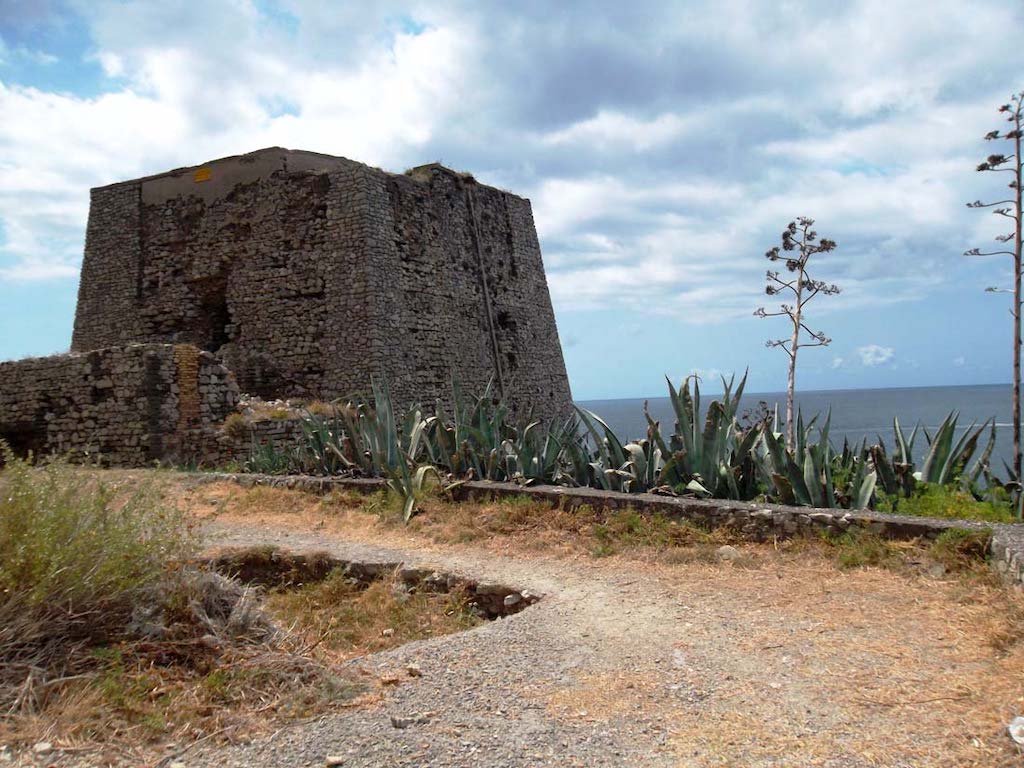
(109, 289)
(468, 292)
(121, 406)
(308, 274)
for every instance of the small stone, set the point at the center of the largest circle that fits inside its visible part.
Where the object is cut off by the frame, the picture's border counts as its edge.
(728, 553)
(177, 764)
(332, 761)
(936, 570)
(387, 633)
(1016, 729)
(421, 718)
(512, 600)
(413, 670)
(43, 748)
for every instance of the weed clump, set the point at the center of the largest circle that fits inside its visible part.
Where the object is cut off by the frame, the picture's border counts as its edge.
(73, 564)
(236, 426)
(961, 548)
(108, 631)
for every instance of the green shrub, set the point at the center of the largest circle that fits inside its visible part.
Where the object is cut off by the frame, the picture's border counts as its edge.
(946, 502)
(73, 559)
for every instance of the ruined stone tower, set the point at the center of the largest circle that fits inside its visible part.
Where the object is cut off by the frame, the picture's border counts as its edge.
(306, 274)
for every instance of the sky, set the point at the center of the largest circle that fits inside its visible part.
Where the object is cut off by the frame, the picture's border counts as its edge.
(664, 147)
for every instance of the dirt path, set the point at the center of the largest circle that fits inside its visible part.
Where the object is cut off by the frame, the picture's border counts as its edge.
(631, 663)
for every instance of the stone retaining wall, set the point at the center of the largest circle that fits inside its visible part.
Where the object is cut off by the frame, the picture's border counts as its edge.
(758, 522)
(236, 448)
(121, 406)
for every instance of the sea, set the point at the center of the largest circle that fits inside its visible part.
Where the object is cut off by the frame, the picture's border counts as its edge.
(856, 413)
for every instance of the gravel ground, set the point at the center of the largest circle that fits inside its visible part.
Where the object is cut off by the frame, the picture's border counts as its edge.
(626, 663)
(484, 692)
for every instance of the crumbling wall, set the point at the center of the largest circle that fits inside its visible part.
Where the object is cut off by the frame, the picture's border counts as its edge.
(120, 406)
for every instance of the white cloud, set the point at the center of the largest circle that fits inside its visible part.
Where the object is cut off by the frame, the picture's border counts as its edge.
(959, 362)
(171, 110)
(615, 130)
(659, 176)
(874, 355)
(837, 362)
(113, 65)
(33, 55)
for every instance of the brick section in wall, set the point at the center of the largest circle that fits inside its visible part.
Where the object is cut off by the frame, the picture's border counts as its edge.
(186, 361)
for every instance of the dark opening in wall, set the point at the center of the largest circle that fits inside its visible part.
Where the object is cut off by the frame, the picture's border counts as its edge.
(23, 437)
(215, 307)
(210, 331)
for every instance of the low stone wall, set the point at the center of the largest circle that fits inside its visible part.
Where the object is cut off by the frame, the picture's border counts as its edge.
(758, 522)
(235, 446)
(120, 406)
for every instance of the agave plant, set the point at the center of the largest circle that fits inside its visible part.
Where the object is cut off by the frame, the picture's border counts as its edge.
(268, 459)
(807, 475)
(714, 460)
(376, 442)
(617, 467)
(472, 442)
(324, 445)
(535, 455)
(946, 461)
(710, 455)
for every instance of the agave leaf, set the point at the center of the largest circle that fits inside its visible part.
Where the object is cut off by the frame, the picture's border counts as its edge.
(654, 431)
(812, 481)
(986, 454)
(884, 470)
(695, 486)
(829, 485)
(961, 453)
(902, 454)
(862, 497)
(682, 405)
(784, 489)
(939, 449)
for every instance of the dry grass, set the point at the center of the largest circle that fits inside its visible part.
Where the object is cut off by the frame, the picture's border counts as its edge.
(850, 662)
(138, 695)
(600, 698)
(527, 525)
(350, 620)
(112, 643)
(816, 648)
(236, 426)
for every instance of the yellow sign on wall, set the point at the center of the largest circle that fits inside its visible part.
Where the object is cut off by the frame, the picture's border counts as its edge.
(202, 174)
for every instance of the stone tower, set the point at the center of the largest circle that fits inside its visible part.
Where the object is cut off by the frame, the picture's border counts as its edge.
(307, 274)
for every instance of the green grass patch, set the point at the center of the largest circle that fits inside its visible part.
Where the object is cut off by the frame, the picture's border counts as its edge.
(630, 529)
(860, 548)
(948, 503)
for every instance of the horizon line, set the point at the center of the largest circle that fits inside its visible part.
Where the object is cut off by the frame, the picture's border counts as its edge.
(806, 391)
